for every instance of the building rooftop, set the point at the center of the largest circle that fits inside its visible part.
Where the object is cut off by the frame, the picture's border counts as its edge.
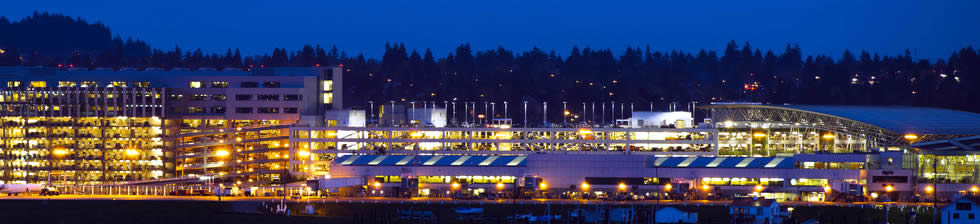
(456, 160)
(724, 162)
(899, 119)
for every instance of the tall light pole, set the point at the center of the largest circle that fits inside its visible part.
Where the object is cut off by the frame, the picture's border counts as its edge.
(505, 110)
(583, 112)
(612, 111)
(622, 108)
(525, 114)
(466, 111)
(486, 107)
(593, 113)
(372, 110)
(413, 113)
(392, 113)
(493, 110)
(545, 113)
(454, 113)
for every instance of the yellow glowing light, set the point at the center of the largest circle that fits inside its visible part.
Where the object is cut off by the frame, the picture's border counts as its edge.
(622, 186)
(132, 152)
(500, 185)
(303, 153)
(974, 189)
(889, 188)
(221, 153)
(910, 137)
(416, 134)
(758, 188)
(455, 185)
(705, 187)
(505, 126)
(759, 134)
(585, 186)
(668, 187)
(377, 184)
(543, 186)
(238, 139)
(584, 131)
(827, 188)
(874, 195)
(480, 116)
(929, 189)
(60, 151)
(828, 136)
(567, 113)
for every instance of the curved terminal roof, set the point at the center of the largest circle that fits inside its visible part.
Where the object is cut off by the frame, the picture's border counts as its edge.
(899, 119)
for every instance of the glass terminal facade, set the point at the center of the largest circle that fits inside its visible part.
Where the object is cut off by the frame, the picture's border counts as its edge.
(71, 133)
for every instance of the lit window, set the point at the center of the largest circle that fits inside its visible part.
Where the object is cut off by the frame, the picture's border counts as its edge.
(118, 84)
(269, 110)
(327, 85)
(141, 84)
(195, 84)
(195, 110)
(219, 84)
(39, 84)
(67, 84)
(327, 98)
(90, 84)
(13, 84)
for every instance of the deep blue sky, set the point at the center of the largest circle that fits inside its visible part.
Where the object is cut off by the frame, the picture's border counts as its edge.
(931, 29)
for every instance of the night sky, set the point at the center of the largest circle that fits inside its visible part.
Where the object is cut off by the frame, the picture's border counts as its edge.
(931, 29)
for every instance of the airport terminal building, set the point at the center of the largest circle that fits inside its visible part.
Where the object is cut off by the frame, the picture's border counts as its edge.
(260, 125)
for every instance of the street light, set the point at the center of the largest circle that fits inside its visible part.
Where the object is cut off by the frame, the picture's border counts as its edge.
(622, 186)
(889, 188)
(758, 188)
(585, 186)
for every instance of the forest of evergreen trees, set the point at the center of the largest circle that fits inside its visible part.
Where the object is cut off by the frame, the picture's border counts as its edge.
(639, 74)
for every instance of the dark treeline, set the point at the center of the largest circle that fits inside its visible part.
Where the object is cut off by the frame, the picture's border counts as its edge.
(639, 74)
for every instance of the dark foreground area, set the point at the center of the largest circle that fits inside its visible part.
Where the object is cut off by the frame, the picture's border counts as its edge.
(244, 212)
(135, 212)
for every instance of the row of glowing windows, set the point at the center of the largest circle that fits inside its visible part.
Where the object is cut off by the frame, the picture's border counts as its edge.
(17, 97)
(736, 181)
(44, 84)
(222, 84)
(43, 108)
(451, 179)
